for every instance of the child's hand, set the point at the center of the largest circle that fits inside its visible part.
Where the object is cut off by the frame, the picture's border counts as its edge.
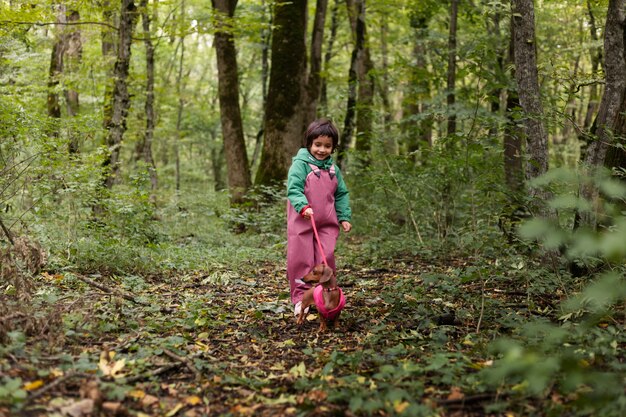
(307, 213)
(346, 226)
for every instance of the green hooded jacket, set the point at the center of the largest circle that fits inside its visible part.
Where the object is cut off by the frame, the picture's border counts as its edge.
(297, 177)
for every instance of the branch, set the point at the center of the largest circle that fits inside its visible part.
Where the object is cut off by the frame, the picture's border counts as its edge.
(110, 290)
(13, 22)
(7, 232)
(119, 293)
(56, 382)
(186, 361)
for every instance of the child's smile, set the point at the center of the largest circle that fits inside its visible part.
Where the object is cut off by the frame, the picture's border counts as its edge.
(322, 147)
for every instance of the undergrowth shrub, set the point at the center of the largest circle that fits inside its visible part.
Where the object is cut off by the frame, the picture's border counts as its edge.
(430, 201)
(575, 359)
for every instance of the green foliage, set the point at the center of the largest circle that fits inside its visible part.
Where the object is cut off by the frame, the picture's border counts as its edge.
(580, 358)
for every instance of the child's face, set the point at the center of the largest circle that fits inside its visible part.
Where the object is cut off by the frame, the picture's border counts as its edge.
(322, 147)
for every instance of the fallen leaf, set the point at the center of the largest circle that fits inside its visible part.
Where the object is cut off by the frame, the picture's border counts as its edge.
(455, 394)
(112, 408)
(193, 400)
(149, 400)
(400, 407)
(136, 394)
(31, 386)
(78, 409)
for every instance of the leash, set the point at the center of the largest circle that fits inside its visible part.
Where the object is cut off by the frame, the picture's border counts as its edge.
(319, 242)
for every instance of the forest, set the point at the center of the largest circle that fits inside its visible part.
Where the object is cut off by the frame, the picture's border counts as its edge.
(144, 152)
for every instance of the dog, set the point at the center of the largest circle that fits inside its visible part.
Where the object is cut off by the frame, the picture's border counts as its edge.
(326, 296)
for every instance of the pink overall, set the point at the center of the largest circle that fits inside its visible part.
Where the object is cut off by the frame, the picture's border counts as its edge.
(302, 250)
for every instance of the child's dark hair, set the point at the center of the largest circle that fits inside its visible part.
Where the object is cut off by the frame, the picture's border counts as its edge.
(321, 127)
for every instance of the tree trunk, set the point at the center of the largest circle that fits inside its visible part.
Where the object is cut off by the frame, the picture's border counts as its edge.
(283, 115)
(596, 59)
(365, 100)
(265, 41)
(181, 106)
(230, 112)
(314, 80)
(389, 142)
(360, 86)
(525, 57)
(327, 57)
(615, 69)
(120, 98)
(74, 51)
(56, 67)
(109, 40)
(145, 146)
(451, 95)
(513, 134)
(608, 112)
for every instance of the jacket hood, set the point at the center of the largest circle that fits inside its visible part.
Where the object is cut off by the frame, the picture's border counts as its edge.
(304, 155)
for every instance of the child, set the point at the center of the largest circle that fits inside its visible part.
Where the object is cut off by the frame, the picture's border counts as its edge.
(315, 188)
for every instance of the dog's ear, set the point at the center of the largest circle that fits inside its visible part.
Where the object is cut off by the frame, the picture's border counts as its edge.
(326, 275)
(311, 278)
(314, 275)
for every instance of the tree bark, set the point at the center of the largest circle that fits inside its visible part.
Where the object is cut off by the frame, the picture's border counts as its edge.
(366, 81)
(596, 59)
(73, 51)
(314, 79)
(116, 126)
(327, 57)
(360, 86)
(451, 80)
(108, 43)
(56, 67)
(513, 134)
(230, 112)
(283, 115)
(265, 41)
(526, 75)
(389, 141)
(145, 146)
(607, 119)
(615, 69)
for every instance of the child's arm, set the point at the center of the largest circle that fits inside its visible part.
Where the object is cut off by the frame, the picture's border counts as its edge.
(295, 185)
(342, 202)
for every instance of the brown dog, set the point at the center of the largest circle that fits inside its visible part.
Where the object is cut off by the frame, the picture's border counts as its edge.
(327, 297)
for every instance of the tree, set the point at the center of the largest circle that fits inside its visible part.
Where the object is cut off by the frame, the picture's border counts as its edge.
(230, 113)
(283, 113)
(526, 75)
(359, 115)
(313, 85)
(451, 80)
(607, 119)
(56, 66)
(144, 147)
(120, 99)
(73, 51)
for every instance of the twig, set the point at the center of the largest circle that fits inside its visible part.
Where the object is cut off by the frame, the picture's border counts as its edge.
(159, 371)
(186, 361)
(7, 232)
(110, 290)
(12, 316)
(155, 372)
(482, 306)
(56, 382)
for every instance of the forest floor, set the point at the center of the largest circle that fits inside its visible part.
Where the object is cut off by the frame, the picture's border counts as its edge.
(410, 341)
